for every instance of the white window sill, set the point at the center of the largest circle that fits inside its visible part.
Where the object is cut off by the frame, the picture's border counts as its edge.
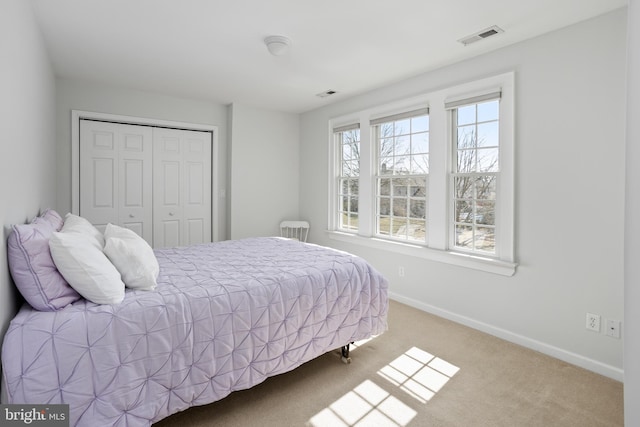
(475, 262)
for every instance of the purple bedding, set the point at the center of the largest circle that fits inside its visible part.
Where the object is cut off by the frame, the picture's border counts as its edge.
(224, 317)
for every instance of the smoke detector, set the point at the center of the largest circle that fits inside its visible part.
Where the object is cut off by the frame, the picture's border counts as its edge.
(480, 35)
(277, 45)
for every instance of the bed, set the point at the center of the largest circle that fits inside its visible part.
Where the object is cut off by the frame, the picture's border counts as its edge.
(223, 317)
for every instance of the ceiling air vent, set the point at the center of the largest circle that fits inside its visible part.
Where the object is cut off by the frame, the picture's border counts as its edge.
(326, 93)
(487, 32)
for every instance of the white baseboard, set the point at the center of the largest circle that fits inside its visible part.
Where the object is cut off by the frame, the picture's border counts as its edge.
(564, 355)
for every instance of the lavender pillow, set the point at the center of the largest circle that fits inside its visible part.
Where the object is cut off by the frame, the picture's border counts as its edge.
(32, 267)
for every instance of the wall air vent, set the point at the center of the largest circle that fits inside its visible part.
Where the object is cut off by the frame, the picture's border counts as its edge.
(483, 34)
(326, 93)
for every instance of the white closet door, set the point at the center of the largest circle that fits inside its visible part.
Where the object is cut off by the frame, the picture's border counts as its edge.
(182, 187)
(116, 175)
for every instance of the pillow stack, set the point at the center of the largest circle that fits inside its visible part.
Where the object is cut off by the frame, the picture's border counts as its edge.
(55, 262)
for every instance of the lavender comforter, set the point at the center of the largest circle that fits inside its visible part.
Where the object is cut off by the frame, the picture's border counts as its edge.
(224, 317)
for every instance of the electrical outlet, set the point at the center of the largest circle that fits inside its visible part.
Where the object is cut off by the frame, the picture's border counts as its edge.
(613, 328)
(593, 322)
(401, 271)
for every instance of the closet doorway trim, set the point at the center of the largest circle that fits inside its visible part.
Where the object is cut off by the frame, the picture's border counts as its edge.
(77, 115)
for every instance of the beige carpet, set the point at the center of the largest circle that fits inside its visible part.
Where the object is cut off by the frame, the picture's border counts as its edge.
(424, 371)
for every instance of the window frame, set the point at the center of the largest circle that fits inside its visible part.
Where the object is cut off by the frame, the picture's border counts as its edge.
(338, 136)
(474, 175)
(375, 126)
(438, 246)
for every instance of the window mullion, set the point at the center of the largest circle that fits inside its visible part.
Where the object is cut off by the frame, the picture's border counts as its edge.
(367, 180)
(437, 195)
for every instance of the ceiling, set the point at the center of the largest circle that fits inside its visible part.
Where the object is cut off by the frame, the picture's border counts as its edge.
(214, 50)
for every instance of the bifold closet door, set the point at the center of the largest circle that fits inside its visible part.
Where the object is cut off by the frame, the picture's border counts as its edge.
(181, 187)
(116, 175)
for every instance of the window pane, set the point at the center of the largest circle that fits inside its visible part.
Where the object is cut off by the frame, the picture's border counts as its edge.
(402, 165)
(399, 207)
(486, 188)
(488, 134)
(485, 239)
(402, 127)
(488, 111)
(344, 202)
(350, 168)
(402, 145)
(344, 186)
(417, 209)
(464, 187)
(346, 152)
(353, 221)
(467, 136)
(466, 115)
(420, 124)
(354, 186)
(420, 164)
(385, 206)
(418, 230)
(466, 161)
(384, 225)
(488, 160)
(386, 147)
(399, 227)
(464, 211)
(418, 188)
(420, 143)
(400, 187)
(385, 187)
(464, 236)
(353, 206)
(386, 130)
(485, 212)
(386, 165)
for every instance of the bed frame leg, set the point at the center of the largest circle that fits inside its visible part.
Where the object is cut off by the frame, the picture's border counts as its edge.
(345, 354)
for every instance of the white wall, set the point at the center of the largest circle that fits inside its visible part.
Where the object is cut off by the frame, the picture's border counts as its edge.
(632, 225)
(570, 110)
(81, 95)
(264, 164)
(27, 174)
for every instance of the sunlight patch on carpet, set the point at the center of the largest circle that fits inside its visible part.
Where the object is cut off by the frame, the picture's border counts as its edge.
(419, 373)
(366, 405)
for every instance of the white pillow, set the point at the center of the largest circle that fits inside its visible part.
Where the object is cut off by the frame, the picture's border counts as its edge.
(78, 224)
(132, 256)
(86, 268)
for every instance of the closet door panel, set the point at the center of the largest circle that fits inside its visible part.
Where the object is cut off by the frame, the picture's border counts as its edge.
(171, 234)
(115, 176)
(197, 207)
(99, 172)
(167, 188)
(135, 183)
(182, 187)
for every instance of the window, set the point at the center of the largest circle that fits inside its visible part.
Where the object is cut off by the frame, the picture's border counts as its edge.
(476, 167)
(348, 140)
(401, 180)
(430, 176)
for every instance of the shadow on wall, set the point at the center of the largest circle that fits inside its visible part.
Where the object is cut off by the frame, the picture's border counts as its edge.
(13, 299)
